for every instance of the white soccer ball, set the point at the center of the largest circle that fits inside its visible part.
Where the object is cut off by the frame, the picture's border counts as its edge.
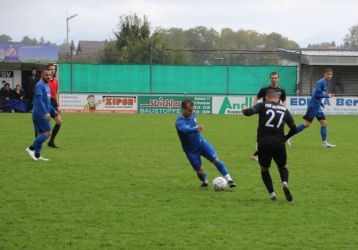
(219, 184)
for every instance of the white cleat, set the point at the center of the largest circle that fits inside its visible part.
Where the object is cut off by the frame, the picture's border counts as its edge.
(273, 196)
(327, 145)
(42, 159)
(31, 153)
(289, 142)
(254, 157)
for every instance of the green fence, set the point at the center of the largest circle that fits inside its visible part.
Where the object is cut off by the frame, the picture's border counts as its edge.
(169, 79)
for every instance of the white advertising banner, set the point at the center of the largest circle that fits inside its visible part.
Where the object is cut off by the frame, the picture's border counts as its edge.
(347, 105)
(297, 105)
(230, 105)
(88, 103)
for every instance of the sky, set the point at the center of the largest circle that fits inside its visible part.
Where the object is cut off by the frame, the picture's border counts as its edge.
(303, 21)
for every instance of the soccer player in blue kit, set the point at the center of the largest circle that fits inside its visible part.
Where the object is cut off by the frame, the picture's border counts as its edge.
(41, 115)
(195, 146)
(314, 108)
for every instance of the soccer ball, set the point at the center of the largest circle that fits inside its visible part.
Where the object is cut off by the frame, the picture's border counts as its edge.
(219, 184)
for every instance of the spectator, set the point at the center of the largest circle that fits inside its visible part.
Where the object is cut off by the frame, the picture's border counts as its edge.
(338, 87)
(18, 93)
(5, 95)
(29, 87)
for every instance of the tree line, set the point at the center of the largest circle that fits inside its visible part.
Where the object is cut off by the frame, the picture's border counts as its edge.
(135, 41)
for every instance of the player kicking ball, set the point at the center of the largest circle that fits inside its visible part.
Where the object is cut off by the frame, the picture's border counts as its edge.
(195, 146)
(271, 139)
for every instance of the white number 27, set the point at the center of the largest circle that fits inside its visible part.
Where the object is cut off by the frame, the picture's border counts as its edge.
(272, 113)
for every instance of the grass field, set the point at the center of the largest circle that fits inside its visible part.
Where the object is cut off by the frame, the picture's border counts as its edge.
(123, 182)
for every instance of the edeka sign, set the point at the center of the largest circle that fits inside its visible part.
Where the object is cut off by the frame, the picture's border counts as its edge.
(98, 103)
(162, 104)
(334, 106)
(231, 104)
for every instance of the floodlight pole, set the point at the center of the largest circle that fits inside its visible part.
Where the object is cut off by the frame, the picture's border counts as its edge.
(68, 19)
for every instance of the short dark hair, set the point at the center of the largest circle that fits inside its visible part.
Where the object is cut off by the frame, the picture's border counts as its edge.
(45, 69)
(187, 103)
(328, 70)
(33, 69)
(271, 93)
(274, 73)
(51, 64)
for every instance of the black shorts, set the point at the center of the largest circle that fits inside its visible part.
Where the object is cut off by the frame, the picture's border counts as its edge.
(54, 105)
(267, 151)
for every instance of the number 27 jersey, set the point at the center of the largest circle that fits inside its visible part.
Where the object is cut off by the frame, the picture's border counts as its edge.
(272, 120)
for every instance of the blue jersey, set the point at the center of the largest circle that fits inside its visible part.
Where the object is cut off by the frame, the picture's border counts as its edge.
(189, 135)
(42, 101)
(318, 93)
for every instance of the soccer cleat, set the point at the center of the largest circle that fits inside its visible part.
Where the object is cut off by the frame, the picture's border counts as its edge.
(273, 196)
(327, 145)
(289, 142)
(42, 159)
(204, 184)
(287, 192)
(254, 157)
(31, 154)
(52, 144)
(232, 184)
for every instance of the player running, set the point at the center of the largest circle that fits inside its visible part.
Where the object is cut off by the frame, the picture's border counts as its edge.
(274, 78)
(41, 115)
(195, 146)
(314, 108)
(53, 84)
(271, 139)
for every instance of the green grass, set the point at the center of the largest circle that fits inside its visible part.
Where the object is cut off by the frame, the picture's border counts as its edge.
(123, 182)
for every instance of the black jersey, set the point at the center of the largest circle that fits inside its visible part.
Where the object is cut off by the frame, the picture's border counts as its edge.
(280, 92)
(272, 119)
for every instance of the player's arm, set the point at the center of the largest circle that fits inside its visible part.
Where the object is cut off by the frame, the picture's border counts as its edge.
(319, 92)
(258, 96)
(283, 98)
(39, 101)
(185, 128)
(291, 124)
(253, 110)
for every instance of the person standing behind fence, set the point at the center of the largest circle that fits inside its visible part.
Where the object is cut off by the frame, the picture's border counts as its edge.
(53, 84)
(29, 88)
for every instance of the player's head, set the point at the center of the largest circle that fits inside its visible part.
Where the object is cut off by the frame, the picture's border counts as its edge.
(187, 107)
(53, 68)
(33, 71)
(272, 95)
(46, 75)
(274, 78)
(328, 74)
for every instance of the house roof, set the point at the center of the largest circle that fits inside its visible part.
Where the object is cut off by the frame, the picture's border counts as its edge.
(90, 47)
(321, 56)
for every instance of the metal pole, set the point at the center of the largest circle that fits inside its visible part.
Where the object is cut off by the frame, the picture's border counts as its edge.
(71, 69)
(227, 72)
(68, 19)
(151, 70)
(67, 39)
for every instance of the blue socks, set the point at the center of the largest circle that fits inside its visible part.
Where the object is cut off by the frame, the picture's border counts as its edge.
(202, 177)
(222, 168)
(38, 144)
(300, 128)
(324, 133)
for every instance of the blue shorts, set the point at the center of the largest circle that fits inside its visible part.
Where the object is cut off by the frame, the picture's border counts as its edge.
(42, 125)
(205, 150)
(313, 112)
